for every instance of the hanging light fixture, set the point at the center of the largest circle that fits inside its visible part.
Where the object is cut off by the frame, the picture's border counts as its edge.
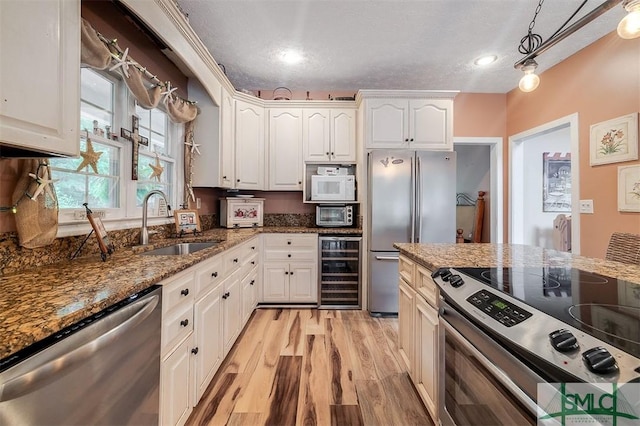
(629, 26)
(529, 81)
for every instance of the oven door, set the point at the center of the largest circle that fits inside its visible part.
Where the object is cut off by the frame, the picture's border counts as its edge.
(483, 384)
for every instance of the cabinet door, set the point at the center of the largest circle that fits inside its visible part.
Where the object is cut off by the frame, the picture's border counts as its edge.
(343, 135)
(40, 75)
(388, 123)
(316, 130)
(249, 153)
(208, 339)
(431, 124)
(285, 149)
(227, 143)
(175, 385)
(275, 285)
(426, 361)
(303, 282)
(231, 306)
(249, 295)
(406, 308)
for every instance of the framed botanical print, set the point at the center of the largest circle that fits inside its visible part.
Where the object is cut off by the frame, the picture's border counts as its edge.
(629, 188)
(614, 140)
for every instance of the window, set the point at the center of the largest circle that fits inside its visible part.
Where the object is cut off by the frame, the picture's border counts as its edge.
(106, 105)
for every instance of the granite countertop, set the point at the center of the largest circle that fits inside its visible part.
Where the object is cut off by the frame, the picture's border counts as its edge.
(435, 256)
(37, 303)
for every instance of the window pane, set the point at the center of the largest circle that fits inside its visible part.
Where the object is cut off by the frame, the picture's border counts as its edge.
(158, 144)
(158, 121)
(96, 89)
(88, 113)
(70, 189)
(143, 114)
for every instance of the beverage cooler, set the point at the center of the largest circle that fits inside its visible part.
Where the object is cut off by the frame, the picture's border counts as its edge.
(340, 260)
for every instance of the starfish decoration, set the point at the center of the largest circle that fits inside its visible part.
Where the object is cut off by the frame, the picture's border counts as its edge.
(157, 169)
(121, 62)
(89, 157)
(43, 185)
(194, 146)
(167, 92)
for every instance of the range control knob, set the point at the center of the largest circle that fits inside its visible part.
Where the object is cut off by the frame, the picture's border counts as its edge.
(563, 340)
(438, 272)
(600, 361)
(455, 281)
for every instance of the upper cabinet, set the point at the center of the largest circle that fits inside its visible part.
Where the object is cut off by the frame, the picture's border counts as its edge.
(285, 149)
(249, 139)
(413, 122)
(227, 156)
(329, 135)
(206, 160)
(40, 76)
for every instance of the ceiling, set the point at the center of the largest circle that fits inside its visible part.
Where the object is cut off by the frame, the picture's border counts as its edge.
(391, 44)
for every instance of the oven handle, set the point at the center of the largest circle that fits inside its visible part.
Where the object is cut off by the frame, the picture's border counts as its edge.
(495, 371)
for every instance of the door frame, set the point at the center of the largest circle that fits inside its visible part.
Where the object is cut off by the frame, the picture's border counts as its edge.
(496, 191)
(516, 178)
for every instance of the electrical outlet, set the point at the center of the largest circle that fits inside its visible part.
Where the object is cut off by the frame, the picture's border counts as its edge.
(198, 204)
(586, 206)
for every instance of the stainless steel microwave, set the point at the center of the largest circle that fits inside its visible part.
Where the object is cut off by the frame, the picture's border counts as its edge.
(332, 215)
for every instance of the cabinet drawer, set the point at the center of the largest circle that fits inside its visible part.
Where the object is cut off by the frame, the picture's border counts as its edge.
(176, 325)
(248, 265)
(177, 289)
(284, 241)
(405, 268)
(291, 255)
(231, 261)
(209, 275)
(425, 286)
(248, 250)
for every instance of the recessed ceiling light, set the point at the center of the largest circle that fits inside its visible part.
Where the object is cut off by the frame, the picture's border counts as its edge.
(485, 60)
(291, 57)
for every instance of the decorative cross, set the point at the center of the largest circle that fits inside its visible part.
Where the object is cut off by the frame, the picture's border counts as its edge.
(135, 138)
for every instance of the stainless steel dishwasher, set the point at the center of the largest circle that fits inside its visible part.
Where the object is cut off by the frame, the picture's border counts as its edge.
(103, 370)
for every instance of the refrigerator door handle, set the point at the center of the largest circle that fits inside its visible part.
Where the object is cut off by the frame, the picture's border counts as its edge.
(412, 201)
(387, 257)
(418, 198)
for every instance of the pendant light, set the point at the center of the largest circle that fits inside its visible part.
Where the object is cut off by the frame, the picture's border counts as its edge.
(629, 26)
(529, 81)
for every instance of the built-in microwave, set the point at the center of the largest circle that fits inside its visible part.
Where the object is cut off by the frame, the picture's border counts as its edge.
(333, 215)
(333, 188)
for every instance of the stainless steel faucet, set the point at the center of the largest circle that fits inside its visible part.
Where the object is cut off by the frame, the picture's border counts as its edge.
(144, 232)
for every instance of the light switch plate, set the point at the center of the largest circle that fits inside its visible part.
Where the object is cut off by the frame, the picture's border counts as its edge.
(586, 206)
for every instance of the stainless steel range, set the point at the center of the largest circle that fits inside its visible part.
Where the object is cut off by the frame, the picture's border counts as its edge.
(512, 328)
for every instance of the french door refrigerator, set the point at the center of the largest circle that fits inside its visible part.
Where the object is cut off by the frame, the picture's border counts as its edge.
(412, 199)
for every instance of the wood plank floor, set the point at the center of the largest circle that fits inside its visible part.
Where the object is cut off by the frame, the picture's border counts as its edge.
(312, 367)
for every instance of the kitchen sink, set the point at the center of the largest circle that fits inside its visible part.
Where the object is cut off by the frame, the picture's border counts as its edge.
(180, 249)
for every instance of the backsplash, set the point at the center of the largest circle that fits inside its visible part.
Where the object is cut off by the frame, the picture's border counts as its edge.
(14, 258)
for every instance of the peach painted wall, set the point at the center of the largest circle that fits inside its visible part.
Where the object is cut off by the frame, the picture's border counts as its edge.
(480, 115)
(600, 82)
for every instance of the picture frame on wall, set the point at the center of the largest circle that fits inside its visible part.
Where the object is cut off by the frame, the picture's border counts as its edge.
(187, 221)
(629, 188)
(556, 182)
(614, 140)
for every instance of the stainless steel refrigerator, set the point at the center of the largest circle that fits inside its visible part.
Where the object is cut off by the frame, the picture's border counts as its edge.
(412, 199)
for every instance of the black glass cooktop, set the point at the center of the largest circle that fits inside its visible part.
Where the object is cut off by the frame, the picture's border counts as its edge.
(602, 306)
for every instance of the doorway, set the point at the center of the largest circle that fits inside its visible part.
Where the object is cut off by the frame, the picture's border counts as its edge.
(542, 160)
(495, 196)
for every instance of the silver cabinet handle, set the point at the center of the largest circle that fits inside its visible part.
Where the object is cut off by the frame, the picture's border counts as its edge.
(387, 257)
(51, 369)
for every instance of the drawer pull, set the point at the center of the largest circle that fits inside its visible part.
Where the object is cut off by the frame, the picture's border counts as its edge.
(253, 262)
(289, 255)
(226, 295)
(252, 282)
(184, 291)
(291, 273)
(286, 272)
(289, 242)
(253, 247)
(184, 322)
(194, 351)
(235, 260)
(214, 274)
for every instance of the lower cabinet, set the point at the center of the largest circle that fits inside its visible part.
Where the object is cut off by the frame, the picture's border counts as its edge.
(249, 294)
(418, 333)
(209, 346)
(175, 385)
(231, 305)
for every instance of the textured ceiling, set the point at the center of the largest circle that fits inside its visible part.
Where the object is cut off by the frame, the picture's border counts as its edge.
(392, 44)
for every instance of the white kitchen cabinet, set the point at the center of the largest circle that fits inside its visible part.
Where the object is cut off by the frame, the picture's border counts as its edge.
(227, 141)
(426, 357)
(175, 385)
(406, 313)
(285, 149)
(249, 145)
(249, 294)
(40, 76)
(209, 346)
(416, 122)
(329, 135)
(206, 132)
(231, 308)
(290, 268)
